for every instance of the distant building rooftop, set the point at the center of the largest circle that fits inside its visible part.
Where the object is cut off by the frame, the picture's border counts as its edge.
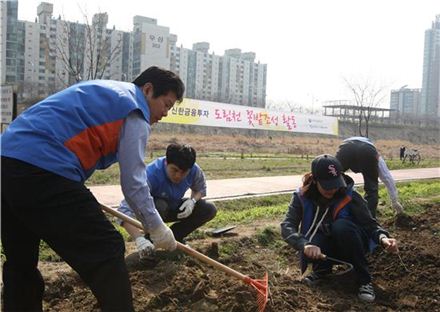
(351, 112)
(355, 107)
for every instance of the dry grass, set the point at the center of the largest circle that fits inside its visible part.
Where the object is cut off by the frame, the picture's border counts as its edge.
(298, 145)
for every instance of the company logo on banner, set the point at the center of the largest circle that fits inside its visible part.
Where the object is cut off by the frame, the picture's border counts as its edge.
(213, 114)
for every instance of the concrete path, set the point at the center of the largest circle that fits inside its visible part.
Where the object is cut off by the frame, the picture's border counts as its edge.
(111, 195)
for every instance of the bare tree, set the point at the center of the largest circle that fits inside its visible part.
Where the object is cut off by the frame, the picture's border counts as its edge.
(283, 106)
(71, 49)
(86, 50)
(293, 107)
(27, 90)
(367, 96)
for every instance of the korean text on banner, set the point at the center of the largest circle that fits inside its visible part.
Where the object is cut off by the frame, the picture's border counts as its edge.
(213, 114)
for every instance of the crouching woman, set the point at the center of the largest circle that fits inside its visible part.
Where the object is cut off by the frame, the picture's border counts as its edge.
(327, 217)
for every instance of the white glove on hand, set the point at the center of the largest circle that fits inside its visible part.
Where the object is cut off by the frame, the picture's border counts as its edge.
(145, 247)
(186, 209)
(397, 206)
(163, 238)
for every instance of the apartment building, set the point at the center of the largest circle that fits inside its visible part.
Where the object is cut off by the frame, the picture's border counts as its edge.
(231, 78)
(48, 54)
(404, 102)
(430, 96)
(9, 41)
(151, 44)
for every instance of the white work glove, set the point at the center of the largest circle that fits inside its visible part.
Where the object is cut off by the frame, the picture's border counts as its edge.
(186, 208)
(145, 247)
(397, 206)
(163, 238)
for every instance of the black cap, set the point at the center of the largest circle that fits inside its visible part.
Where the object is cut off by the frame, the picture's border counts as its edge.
(327, 170)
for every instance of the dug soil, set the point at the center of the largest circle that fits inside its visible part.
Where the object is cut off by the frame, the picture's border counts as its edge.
(179, 283)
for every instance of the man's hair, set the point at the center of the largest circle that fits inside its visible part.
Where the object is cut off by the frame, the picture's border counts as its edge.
(163, 81)
(183, 156)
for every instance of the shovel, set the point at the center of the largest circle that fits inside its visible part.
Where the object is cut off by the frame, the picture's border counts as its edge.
(223, 230)
(260, 285)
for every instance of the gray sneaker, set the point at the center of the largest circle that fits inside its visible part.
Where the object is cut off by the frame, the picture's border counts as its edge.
(366, 293)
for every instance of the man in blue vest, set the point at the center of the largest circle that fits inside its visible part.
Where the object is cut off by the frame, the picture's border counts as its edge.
(169, 178)
(48, 153)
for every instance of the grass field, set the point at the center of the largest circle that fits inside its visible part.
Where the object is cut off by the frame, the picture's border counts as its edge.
(415, 197)
(237, 156)
(237, 165)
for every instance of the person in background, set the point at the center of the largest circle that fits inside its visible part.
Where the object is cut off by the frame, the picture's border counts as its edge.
(402, 152)
(360, 155)
(169, 178)
(47, 154)
(327, 217)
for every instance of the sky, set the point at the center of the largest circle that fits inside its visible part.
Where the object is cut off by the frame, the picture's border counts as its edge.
(309, 47)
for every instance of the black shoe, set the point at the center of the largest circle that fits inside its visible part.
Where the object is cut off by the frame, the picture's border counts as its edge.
(312, 279)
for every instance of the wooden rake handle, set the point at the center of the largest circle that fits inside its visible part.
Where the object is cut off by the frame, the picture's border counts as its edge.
(191, 252)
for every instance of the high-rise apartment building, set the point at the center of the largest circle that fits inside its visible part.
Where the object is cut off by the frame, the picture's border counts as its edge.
(430, 97)
(9, 41)
(404, 102)
(231, 78)
(48, 54)
(151, 44)
(202, 72)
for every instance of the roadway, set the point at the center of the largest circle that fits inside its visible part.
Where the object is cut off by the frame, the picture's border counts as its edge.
(111, 195)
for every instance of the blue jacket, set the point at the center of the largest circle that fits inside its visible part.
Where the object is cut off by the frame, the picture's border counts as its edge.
(301, 211)
(74, 131)
(338, 209)
(162, 187)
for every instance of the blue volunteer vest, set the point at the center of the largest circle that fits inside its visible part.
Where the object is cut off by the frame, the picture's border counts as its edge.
(162, 187)
(75, 131)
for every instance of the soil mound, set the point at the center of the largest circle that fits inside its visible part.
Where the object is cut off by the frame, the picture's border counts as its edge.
(408, 281)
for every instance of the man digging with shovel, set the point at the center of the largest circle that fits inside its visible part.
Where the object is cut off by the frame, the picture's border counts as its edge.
(48, 153)
(326, 217)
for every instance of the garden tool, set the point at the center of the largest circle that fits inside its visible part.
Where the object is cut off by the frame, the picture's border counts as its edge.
(260, 285)
(223, 230)
(308, 268)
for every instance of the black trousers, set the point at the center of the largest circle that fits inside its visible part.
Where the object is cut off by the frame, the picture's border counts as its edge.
(202, 213)
(362, 157)
(39, 205)
(347, 242)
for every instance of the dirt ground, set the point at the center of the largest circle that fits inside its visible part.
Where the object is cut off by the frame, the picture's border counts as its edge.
(180, 283)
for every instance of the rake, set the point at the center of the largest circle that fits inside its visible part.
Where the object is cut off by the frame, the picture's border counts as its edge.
(260, 285)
